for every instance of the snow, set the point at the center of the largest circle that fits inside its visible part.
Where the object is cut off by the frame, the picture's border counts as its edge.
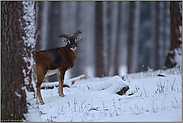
(123, 70)
(29, 40)
(89, 70)
(178, 57)
(150, 98)
(18, 95)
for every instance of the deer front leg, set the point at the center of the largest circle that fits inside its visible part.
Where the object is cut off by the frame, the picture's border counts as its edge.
(60, 76)
(39, 82)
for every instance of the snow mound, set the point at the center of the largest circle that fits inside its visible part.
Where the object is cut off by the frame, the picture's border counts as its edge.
(113, 85)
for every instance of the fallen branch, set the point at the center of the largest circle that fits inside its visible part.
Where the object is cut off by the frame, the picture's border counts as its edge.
(73, 82)
(51, 87)
(68, 83)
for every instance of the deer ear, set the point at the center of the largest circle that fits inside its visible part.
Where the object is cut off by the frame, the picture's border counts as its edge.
(78, 38)
(64, 40)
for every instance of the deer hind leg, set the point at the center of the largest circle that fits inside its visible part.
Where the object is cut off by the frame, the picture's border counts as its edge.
(39, 96)
(40, 78)
(60, 76)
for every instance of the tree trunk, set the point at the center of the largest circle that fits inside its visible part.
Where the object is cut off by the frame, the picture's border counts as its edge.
(16, 71)
(161, 39)
(81, 51)
(113, 39)
(133, 37)
(167, 27)
(174, 57)
(12, 107)
(157, 59)
(105, 20)
(153, 36)
(117, 48)
(71, 20)
(90, 10)
(123, 39)
(99, 46)
(176, 24)
(42, 25)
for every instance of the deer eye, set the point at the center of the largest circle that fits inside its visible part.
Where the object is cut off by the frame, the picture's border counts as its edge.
(64, 40)
(68, 42)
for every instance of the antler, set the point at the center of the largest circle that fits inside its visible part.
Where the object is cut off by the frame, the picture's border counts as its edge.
(64, 35)
(76, 33)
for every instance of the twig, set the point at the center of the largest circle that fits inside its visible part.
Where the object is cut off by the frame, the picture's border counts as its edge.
(173, 84)
(176, 102)
(73, 82)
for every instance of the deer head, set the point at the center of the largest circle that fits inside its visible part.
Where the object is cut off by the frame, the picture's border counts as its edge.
(71, 40)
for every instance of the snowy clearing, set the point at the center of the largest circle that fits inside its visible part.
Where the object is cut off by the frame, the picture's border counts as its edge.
(150, 98)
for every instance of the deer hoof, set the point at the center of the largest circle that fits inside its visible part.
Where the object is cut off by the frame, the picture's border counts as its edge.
(62, 95)
(41, 102)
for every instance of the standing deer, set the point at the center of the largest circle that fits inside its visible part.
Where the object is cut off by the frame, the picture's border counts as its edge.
(56, 60)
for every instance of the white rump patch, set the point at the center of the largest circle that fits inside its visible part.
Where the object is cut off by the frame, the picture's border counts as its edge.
(51, 72)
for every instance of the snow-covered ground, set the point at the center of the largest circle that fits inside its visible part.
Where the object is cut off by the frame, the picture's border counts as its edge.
(150, 98)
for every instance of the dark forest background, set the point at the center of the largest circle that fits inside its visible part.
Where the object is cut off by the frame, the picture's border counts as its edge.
(118, 37)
